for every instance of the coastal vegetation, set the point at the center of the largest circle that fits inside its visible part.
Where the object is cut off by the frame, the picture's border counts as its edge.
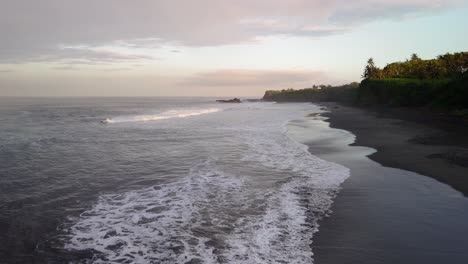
(440, 83)
(343, 93)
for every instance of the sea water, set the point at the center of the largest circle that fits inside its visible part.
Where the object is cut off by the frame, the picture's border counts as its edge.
(159, 180)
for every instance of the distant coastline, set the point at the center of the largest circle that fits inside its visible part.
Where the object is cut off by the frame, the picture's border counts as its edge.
(439, 84)
(430, 95)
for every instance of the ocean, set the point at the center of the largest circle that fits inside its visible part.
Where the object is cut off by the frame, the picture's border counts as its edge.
(159, 180)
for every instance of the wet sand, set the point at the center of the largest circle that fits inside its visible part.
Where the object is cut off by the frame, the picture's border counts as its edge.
(416, 140)
(383, 214)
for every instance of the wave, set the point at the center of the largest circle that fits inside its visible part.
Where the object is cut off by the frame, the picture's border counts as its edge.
(219, 212)
(284, 232)
(180, 113)
(212, 216)
(161, 224)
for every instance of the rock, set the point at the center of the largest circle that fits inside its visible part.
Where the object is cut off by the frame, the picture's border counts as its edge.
(235, 100)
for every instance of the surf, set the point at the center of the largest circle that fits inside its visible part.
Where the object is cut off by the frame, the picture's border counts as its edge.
(256, 198)
(170, 114)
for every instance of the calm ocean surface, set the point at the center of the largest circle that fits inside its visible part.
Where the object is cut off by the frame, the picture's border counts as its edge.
(158, 180)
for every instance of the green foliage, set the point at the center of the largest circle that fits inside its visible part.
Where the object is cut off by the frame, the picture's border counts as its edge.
(441, 83)
(345, 93)
(454, 96)
(400, 91)
(371, 71)
(445, 66)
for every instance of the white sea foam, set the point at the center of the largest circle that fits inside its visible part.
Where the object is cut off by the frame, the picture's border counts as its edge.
(170, 114)
(283, 234)
(217, 214)
(161, 224)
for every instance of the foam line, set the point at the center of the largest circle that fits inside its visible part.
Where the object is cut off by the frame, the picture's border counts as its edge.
(176, 113)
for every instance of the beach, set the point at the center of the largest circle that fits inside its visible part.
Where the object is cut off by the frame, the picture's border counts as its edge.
(425, 142)
(189, 180)
(385, 213)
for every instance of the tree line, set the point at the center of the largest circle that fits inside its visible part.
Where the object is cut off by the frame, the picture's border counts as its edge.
(440, 83)
(317, 93)
(446, 66)
(436, 83)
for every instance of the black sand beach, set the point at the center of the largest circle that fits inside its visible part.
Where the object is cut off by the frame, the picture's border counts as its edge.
(390, 215)
(431, 144)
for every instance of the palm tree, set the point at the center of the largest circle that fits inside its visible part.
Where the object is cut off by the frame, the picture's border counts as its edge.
(370, 71)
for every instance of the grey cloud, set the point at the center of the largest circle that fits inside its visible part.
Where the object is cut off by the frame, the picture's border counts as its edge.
(67, 68)
(31, 29)
(76, 68)
(396, 10)
(117, 69)
(90, 56)
(83, 56)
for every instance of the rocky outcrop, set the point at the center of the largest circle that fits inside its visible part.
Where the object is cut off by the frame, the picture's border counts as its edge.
(235, 100)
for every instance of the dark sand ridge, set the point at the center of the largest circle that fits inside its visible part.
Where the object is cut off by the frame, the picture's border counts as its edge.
(387, 215)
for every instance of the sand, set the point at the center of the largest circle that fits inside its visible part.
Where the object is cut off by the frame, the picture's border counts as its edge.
(414, 140)
(384, 214)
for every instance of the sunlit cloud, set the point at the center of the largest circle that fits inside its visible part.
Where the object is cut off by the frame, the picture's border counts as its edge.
(256, 78)
(98, 55)
(151, 24)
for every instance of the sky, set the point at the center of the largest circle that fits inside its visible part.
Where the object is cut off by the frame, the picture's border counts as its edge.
(213, 47)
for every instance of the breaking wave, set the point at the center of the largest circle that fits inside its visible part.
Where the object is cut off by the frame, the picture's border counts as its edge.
(263, 209)
(170, 114)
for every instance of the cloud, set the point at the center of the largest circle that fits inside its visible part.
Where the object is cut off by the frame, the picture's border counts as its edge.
(67, 68)
(237, 78)
(37, 28)
(284, 27)
(72, 56)
(93, 56)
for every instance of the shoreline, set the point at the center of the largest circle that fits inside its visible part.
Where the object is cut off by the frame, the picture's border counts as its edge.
(382, 214)
(412, 140)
